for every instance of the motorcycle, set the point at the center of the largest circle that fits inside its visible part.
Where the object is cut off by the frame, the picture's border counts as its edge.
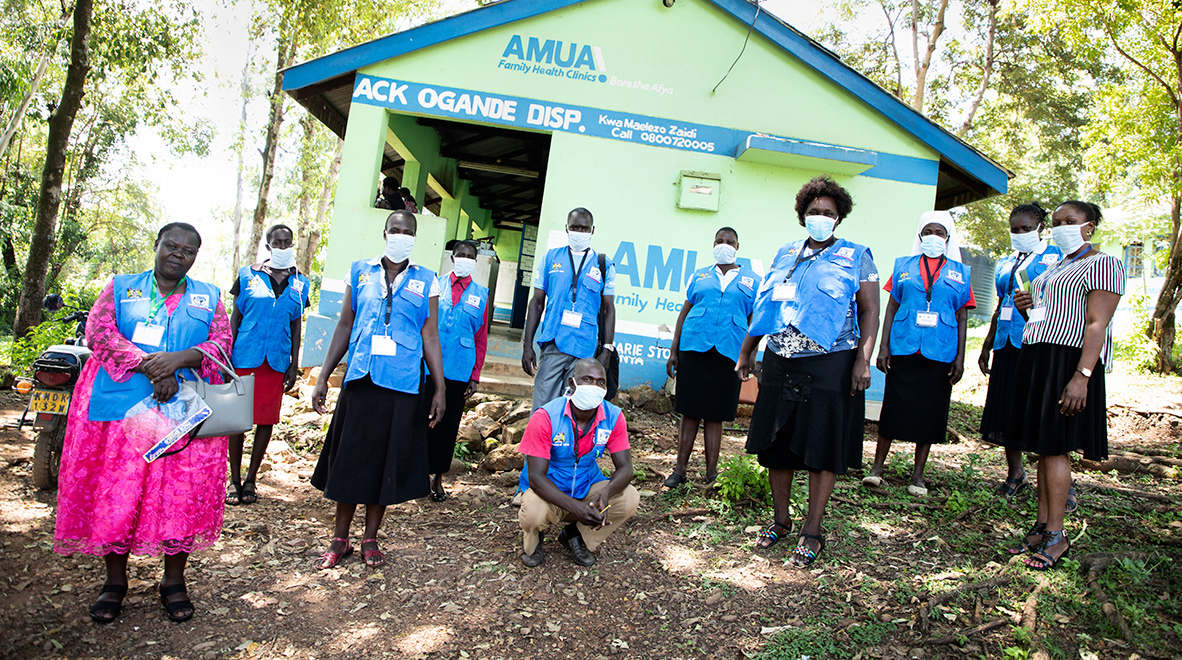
(55, 372)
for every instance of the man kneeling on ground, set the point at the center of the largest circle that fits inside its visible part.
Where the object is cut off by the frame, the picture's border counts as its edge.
(562, 481)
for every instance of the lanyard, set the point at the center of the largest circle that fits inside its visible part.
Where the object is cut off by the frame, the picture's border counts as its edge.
(390, 294)
(574, 280)
(800, 258)
(1068, 262)
(1022, 257)
(575, 429)
(157, 304)
(931, 283)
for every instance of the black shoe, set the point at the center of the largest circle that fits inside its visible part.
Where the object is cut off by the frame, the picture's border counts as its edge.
(536, 558)
(570, 539)
(177, 611)
(106, 611)
(674, 480)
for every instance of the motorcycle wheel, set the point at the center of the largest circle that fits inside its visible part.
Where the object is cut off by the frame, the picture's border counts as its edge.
(47, 456)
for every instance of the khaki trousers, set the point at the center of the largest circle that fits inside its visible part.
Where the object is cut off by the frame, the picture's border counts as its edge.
(537, 514)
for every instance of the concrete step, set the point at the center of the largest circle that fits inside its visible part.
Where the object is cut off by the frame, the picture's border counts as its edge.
(518, 386)
(496, 365)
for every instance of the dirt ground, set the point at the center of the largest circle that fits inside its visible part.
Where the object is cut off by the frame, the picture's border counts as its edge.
(681, 580)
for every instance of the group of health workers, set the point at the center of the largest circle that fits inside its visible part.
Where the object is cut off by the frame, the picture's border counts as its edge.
(816, 315)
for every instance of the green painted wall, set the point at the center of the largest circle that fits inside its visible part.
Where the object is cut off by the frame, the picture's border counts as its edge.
(768, 91)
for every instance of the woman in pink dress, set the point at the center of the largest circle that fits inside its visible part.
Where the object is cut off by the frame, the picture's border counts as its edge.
(111, 502)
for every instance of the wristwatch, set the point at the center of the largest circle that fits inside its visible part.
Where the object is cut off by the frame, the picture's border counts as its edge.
(610, 347)
(1086, 372)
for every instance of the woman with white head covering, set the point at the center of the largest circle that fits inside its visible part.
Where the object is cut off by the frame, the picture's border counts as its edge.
(922, 349)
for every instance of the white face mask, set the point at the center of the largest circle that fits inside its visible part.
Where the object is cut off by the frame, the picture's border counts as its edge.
(463, 266)
(1026, 242)
(1069, 238)
(587, 397)
(282, 258)
(932, 245)
(399, 247)
(724, 254)
(820, 227)
(578, 240)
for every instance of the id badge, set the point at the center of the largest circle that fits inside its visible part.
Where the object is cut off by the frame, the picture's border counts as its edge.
(784, 292)
(147, 334)
(1006, 314)
(572, 319)
(1036, 314)
(383, 345)
(927, 319)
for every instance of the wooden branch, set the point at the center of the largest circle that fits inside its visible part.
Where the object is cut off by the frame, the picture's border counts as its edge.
(987, 70)
(1135, 61)
(1092, 485)
(885, 505)
(1113, 615)
(926, 609)
(1149, 411)
(1030, 608)
(985, 627)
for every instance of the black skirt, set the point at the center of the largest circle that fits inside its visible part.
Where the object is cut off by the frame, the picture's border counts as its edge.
(707, 386)
(376, 448)
(441, 440)
(997, 400)
(915, 400)
(1035, 423)
(805, 417)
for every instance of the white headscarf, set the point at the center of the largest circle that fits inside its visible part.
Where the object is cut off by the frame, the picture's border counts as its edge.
(944, 219)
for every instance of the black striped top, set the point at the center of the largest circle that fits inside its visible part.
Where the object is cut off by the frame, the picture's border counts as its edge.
(1063, 292)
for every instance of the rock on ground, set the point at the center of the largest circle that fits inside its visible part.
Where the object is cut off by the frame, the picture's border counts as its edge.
(502, 459)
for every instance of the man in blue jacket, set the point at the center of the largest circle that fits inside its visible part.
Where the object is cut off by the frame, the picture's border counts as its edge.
(571, 284)
(562, 480)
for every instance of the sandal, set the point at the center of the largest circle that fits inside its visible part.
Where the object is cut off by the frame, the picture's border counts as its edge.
(1041, 560)
(248, 494)
(172, 607)
(234, 494)
(373, 558)
(768, 536)
(101, 607)
(1072, 503)
(872, 481)
(1039, 529)
(330, 559)
(436, 497)
(1011, 486)
(802, 555)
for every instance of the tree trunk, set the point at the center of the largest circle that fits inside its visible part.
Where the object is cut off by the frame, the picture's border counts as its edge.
(241, 149)
(310, 237)
(1162, 326)
(61, 122)
(986, 70)
(921, 69)
(21, 109)
(286, 52)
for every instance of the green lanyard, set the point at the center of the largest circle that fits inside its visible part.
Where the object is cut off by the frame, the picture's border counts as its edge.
(157, 304)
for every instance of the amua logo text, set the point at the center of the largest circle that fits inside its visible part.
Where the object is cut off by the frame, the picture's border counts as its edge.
(551, 57)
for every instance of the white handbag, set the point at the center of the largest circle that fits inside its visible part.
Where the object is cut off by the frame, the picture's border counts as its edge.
(232, 402)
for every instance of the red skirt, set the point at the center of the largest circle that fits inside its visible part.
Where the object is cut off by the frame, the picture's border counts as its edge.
(268, 393)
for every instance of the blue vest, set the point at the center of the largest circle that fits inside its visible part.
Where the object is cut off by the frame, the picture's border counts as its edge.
(265, 330)
(718, 319)
(573, 475)
(579, 342)
(458, 326)
(409, 310)
(825, 290)
(1010, 331)
(950, 292)
(184, 329)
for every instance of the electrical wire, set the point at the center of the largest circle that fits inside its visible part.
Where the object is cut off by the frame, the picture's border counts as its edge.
(758, 8)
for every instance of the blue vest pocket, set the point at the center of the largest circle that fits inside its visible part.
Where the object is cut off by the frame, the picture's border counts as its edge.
(467, 342)
(415, 299)
(407, 339)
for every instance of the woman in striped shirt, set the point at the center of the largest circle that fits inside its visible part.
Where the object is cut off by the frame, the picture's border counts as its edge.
(1058, 404)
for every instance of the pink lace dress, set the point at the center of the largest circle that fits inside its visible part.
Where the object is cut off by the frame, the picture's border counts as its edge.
(109, 499)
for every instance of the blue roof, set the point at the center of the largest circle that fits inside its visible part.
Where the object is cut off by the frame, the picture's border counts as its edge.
(952, 149)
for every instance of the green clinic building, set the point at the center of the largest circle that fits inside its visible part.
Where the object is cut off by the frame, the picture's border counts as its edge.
(503, 119)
